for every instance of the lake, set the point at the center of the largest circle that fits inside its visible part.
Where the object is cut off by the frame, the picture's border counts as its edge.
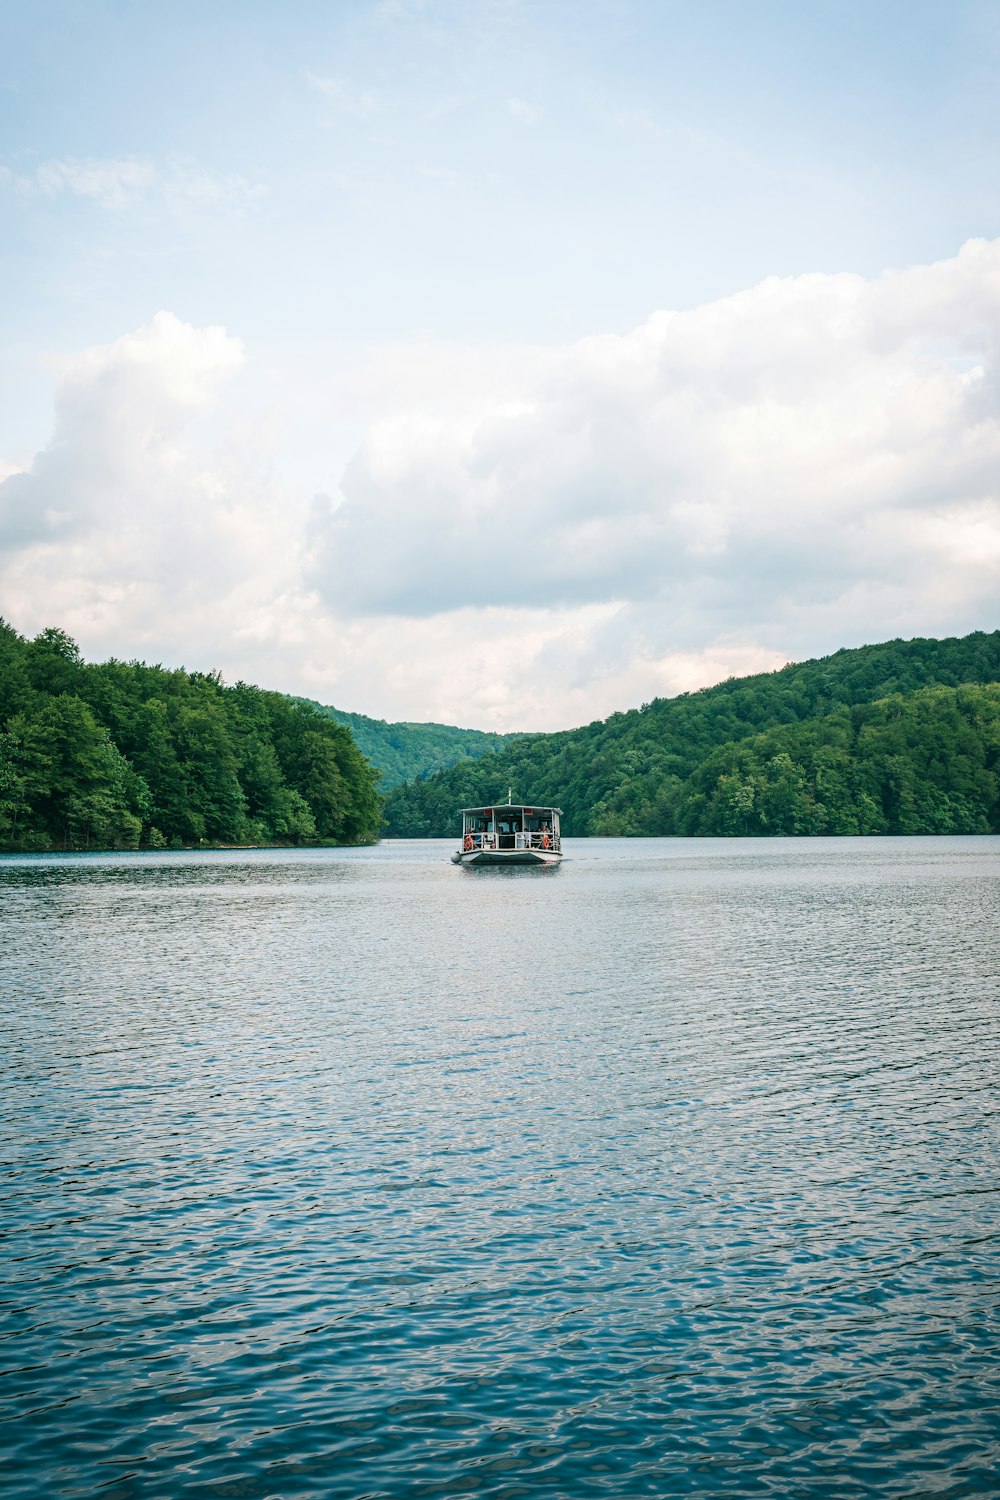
(349, 1173)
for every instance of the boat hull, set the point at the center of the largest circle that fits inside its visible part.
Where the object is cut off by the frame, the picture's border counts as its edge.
(507, 857)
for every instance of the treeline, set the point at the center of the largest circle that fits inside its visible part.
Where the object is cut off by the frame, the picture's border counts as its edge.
(120, 755)
(404, 751)
(897, 738)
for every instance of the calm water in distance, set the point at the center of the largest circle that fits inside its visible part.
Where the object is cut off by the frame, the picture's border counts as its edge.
(349, 1173)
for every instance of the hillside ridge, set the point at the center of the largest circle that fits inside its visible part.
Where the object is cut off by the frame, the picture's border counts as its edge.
(631, 774)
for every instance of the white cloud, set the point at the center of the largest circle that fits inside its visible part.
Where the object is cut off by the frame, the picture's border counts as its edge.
(531, 537)
(357, 103)
(733, 465)
(111, 183)
(120, 182)
(136, 523)
(520, 109)
(189, 185)
(119, 413)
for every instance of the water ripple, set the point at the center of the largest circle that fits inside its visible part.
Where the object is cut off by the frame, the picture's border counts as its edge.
(336, 1173)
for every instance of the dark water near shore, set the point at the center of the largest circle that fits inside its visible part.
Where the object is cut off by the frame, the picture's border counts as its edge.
(673, 1171)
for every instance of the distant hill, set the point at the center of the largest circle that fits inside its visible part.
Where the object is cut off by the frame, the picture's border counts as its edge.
(403, 752)
(902, 737)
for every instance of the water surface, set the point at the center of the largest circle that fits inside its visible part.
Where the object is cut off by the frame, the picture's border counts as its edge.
(348, 1173)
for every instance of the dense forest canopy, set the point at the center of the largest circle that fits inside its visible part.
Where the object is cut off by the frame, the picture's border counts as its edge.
(403, 751)
(896, 738)
(121, 755)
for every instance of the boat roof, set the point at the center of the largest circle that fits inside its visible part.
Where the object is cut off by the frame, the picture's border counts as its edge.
(515, 807)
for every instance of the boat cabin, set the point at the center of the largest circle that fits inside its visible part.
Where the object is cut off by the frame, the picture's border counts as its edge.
(513, 829)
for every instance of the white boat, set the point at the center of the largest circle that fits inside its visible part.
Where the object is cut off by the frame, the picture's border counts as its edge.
(510, 834)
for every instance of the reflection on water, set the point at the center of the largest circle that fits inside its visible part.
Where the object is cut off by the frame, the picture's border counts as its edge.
(350, 1173)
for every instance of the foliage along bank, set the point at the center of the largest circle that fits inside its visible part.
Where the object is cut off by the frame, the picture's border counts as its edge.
(897, 738)
(121, 755)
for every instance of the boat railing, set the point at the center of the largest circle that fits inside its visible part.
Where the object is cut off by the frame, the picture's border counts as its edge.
(538, 840)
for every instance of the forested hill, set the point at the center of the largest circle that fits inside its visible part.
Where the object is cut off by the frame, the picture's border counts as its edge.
(122, 755)
(897, 738)
(401, 752)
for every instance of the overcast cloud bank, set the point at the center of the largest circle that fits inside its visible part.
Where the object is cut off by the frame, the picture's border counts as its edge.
(809, 464)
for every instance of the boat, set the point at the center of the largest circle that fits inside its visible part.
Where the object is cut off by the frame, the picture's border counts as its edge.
(509, 834)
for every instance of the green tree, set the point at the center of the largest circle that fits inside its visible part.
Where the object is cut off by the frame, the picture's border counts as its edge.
(91, 796)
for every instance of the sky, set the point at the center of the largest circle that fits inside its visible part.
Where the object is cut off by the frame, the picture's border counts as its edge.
(498, 362)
